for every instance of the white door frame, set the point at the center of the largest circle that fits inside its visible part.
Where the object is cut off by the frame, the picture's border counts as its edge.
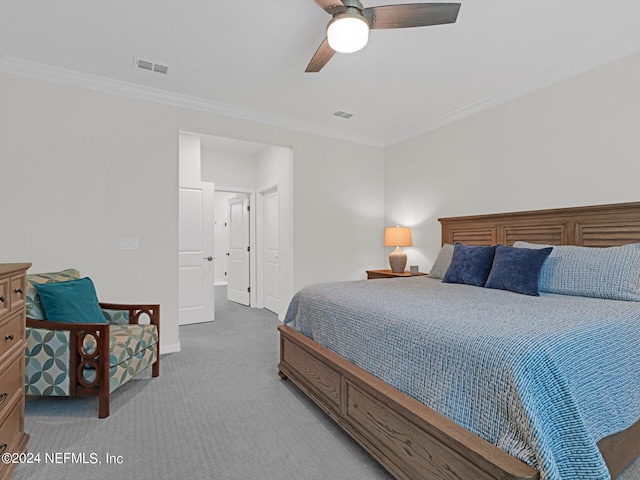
(252, 237)
(266, 189)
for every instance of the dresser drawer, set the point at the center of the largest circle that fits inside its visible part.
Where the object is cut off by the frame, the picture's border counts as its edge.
(11, 333)
(11, 383)
(18, 291)
(11, 429)
(5, 297)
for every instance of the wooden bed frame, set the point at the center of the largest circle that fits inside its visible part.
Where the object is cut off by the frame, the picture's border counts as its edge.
(408, 438)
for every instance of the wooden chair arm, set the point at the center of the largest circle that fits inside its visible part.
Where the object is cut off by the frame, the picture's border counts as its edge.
(100, 328)
(136, 310)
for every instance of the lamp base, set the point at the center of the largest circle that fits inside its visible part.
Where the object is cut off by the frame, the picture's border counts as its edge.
(397, 260)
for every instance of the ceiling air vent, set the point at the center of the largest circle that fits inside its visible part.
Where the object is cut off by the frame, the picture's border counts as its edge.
(147, 65)
(342, 114)
(160, 68)
(144, 64)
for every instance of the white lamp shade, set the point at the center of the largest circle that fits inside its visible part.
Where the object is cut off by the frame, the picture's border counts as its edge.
(347, 33)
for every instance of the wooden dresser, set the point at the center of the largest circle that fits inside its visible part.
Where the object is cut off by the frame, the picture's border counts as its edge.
(12, 346)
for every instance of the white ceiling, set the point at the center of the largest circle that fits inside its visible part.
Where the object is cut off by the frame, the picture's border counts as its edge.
(246, 58)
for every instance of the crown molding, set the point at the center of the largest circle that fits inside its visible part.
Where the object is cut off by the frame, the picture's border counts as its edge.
(580, 64)
(563, 71)
(106, 85)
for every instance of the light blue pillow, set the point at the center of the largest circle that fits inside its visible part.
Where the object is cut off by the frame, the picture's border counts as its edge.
(612, 272)
(74, 301)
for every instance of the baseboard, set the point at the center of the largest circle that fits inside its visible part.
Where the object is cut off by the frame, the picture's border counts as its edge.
(173, 348)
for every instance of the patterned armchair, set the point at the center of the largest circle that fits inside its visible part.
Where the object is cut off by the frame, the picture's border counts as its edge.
(90, 359)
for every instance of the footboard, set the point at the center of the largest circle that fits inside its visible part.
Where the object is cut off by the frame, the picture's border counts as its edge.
(408, 438)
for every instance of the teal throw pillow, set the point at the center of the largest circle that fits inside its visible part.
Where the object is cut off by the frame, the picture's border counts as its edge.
(74, 301)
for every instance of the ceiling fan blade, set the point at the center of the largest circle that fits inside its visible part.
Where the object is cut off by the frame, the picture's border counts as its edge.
(321, 57)
(332, 6)
(411, 15)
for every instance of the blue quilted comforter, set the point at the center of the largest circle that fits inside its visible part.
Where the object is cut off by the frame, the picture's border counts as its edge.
(544, 378)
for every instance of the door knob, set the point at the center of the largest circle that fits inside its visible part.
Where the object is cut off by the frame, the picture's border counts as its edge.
(210, 258)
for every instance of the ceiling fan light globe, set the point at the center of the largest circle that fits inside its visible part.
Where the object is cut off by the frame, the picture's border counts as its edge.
(348, 33)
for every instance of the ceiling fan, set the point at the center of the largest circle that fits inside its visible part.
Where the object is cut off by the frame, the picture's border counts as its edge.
(348, 30)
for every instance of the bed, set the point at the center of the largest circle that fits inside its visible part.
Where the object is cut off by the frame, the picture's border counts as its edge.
(412, 440)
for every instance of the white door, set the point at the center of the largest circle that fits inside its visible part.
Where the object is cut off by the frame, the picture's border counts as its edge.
(271, 250)
(238, 273)
(195, 253)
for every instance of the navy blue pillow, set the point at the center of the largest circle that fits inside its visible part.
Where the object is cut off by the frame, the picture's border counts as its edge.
(470, 265)
(517, 269)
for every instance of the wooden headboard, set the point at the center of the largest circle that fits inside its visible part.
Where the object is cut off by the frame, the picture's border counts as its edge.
(593, 226)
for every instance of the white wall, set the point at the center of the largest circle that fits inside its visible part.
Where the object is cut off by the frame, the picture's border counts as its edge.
(80, 168)
(338, 210)
(189, 159)
(229, 169)
(574, 143)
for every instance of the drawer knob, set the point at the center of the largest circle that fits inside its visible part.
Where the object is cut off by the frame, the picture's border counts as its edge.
(2, 299)
(18, 290)
(3, 397)
(9, 336)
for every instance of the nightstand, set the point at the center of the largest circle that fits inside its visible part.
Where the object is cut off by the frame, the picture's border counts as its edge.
(371, 274)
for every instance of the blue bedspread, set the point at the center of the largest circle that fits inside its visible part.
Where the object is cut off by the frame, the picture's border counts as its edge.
(544, 378)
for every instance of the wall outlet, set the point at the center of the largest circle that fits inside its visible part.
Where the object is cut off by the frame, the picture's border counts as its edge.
(130, 243)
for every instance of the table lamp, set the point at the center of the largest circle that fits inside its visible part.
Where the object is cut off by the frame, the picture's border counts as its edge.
(397, 237)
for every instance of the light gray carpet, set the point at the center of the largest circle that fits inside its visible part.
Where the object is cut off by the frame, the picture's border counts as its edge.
(217, 411)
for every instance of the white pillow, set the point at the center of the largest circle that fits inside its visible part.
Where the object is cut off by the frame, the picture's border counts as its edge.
(441, 265)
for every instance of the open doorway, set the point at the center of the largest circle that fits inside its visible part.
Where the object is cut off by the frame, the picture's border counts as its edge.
(233, 239)
(264, 173)
(244, 168)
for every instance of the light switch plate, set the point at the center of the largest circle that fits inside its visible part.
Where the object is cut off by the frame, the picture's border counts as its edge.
(129, 243)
